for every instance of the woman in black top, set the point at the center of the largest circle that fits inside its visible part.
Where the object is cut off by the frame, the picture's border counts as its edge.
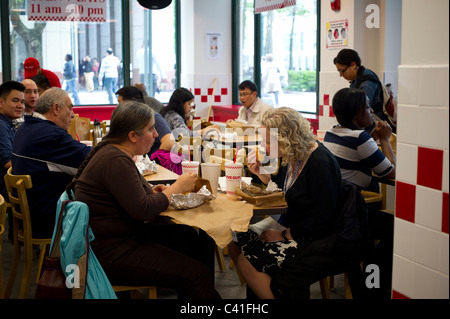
(310, 178)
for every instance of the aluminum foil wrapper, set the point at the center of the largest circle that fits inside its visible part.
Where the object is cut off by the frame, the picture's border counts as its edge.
(146, 166)
(191, 200)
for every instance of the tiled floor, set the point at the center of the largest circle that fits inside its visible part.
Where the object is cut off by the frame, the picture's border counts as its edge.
(227, 282)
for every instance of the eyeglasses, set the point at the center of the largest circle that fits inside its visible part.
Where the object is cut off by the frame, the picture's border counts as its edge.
(342, 71)
(245, 94)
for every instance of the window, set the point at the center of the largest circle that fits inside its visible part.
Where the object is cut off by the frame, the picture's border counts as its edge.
(286, 51)
(87, 43)
(153, 55)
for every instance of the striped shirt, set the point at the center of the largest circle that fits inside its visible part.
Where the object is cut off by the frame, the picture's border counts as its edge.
(357, 154)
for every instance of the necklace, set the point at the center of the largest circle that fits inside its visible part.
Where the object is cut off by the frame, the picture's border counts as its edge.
(286, 187)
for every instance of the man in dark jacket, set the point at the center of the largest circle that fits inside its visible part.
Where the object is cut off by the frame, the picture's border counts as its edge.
(44, 150)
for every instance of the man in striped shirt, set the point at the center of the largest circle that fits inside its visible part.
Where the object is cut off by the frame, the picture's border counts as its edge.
(355, 150)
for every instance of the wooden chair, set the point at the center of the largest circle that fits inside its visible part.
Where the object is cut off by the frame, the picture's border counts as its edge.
(16, 186)
(134, 291)
(3, 205)
(80, 126)
(223, 156)
(189, 146)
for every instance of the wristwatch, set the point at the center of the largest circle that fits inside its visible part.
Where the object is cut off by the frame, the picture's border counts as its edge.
(283, 234)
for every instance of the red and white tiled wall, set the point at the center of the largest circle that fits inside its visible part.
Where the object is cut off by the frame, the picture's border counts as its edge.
(421, 236)
(202, 86)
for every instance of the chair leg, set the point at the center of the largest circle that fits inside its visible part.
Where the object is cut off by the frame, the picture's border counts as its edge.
(220, 260)
(331, 278)
(325, 288)
(152, 293)
(27, 268)
(15, 266)
(348, 291)
(40, 262)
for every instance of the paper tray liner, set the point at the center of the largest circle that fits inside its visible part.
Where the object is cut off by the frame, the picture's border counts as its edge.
(217, 217)
(275, 199)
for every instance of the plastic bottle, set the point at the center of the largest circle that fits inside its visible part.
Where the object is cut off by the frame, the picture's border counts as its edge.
(97, 134)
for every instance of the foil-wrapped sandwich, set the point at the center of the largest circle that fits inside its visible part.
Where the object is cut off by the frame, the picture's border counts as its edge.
(254, 191)
(192, 200)
(146, 166)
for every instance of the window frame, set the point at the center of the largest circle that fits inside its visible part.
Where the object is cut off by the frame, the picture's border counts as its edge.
(257, 55)
(126, 41)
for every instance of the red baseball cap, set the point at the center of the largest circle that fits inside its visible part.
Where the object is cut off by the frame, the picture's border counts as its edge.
(31, 66)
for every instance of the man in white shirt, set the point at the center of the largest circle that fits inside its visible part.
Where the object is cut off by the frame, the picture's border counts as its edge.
(253, 108)
(109, 71)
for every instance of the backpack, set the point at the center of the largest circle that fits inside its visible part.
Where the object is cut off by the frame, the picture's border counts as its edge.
(388, 97)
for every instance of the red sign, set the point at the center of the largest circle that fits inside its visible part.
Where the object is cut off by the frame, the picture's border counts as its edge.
(67, 10)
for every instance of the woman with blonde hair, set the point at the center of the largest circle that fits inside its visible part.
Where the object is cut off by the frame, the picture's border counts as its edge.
(311, 181)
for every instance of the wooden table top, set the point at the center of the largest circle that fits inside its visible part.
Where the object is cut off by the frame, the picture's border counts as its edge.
(163, 176)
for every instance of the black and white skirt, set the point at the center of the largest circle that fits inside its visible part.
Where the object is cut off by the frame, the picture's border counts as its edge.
(266, 257)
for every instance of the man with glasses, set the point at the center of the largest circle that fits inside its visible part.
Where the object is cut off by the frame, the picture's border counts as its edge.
(253, 108)
(348, 64)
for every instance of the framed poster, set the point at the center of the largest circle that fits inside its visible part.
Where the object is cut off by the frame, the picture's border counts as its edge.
(337, 34)
(213, 45)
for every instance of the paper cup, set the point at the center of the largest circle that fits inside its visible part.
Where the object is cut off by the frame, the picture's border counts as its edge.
(233, 172)
(88, 143)
(190, 167)
(211, 172)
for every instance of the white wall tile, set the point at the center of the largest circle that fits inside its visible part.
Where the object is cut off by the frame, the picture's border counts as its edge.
(403, 243)
(428, 208)
(426, 247)
(408, 84)
(407, 121)
(445, 173)
(434, 86)
(432, 128)
(406, 168)
(403, 276)
(443, 254)
(428, 284)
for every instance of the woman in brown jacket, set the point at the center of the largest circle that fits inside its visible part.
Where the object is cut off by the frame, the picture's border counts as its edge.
(132, 243)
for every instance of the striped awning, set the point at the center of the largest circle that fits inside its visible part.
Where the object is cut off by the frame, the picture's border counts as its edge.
(267, 5)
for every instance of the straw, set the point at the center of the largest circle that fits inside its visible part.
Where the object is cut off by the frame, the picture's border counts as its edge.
(189, 152)
(78, 137)
(235, 155)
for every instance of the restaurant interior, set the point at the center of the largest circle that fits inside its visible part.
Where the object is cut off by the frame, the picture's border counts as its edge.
(209, 47)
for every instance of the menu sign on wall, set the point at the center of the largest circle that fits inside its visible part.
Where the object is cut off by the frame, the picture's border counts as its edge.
(67, 10)
(267, 5)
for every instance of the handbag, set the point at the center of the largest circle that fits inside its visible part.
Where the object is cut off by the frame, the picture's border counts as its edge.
(52, 284)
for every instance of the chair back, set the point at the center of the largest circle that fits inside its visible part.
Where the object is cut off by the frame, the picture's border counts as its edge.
(189, 143)
(223, 156)
(16, 186)
(80, 126)
(2, 232)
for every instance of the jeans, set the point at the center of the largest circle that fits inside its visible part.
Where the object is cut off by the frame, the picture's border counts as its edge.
(71, 85)
(110, 86)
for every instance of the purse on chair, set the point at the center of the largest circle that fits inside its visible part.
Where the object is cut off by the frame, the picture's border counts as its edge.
(52, 284)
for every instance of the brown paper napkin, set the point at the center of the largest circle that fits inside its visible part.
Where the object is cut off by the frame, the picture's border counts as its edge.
(217, 217)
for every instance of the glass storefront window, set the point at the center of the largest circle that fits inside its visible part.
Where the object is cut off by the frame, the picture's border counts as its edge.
(288, 53)
(153, 53)
(246, 40)
(86, 42)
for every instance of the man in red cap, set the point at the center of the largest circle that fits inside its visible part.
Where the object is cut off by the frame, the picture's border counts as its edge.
(32, 68)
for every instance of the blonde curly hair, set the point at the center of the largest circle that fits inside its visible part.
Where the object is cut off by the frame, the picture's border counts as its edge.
(295, 136)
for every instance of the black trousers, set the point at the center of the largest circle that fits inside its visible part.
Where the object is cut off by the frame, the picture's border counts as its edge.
(171, 256)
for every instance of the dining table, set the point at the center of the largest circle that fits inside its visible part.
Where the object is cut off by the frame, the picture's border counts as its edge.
(233, 140)
(222, 216)
(162, 176)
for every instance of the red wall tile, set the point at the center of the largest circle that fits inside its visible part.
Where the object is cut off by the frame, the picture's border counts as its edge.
(197, 91)
(397, 295)
(429, 167)
(405, 201)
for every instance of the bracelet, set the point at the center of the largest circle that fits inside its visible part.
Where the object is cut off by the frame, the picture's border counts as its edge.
(283, 234)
